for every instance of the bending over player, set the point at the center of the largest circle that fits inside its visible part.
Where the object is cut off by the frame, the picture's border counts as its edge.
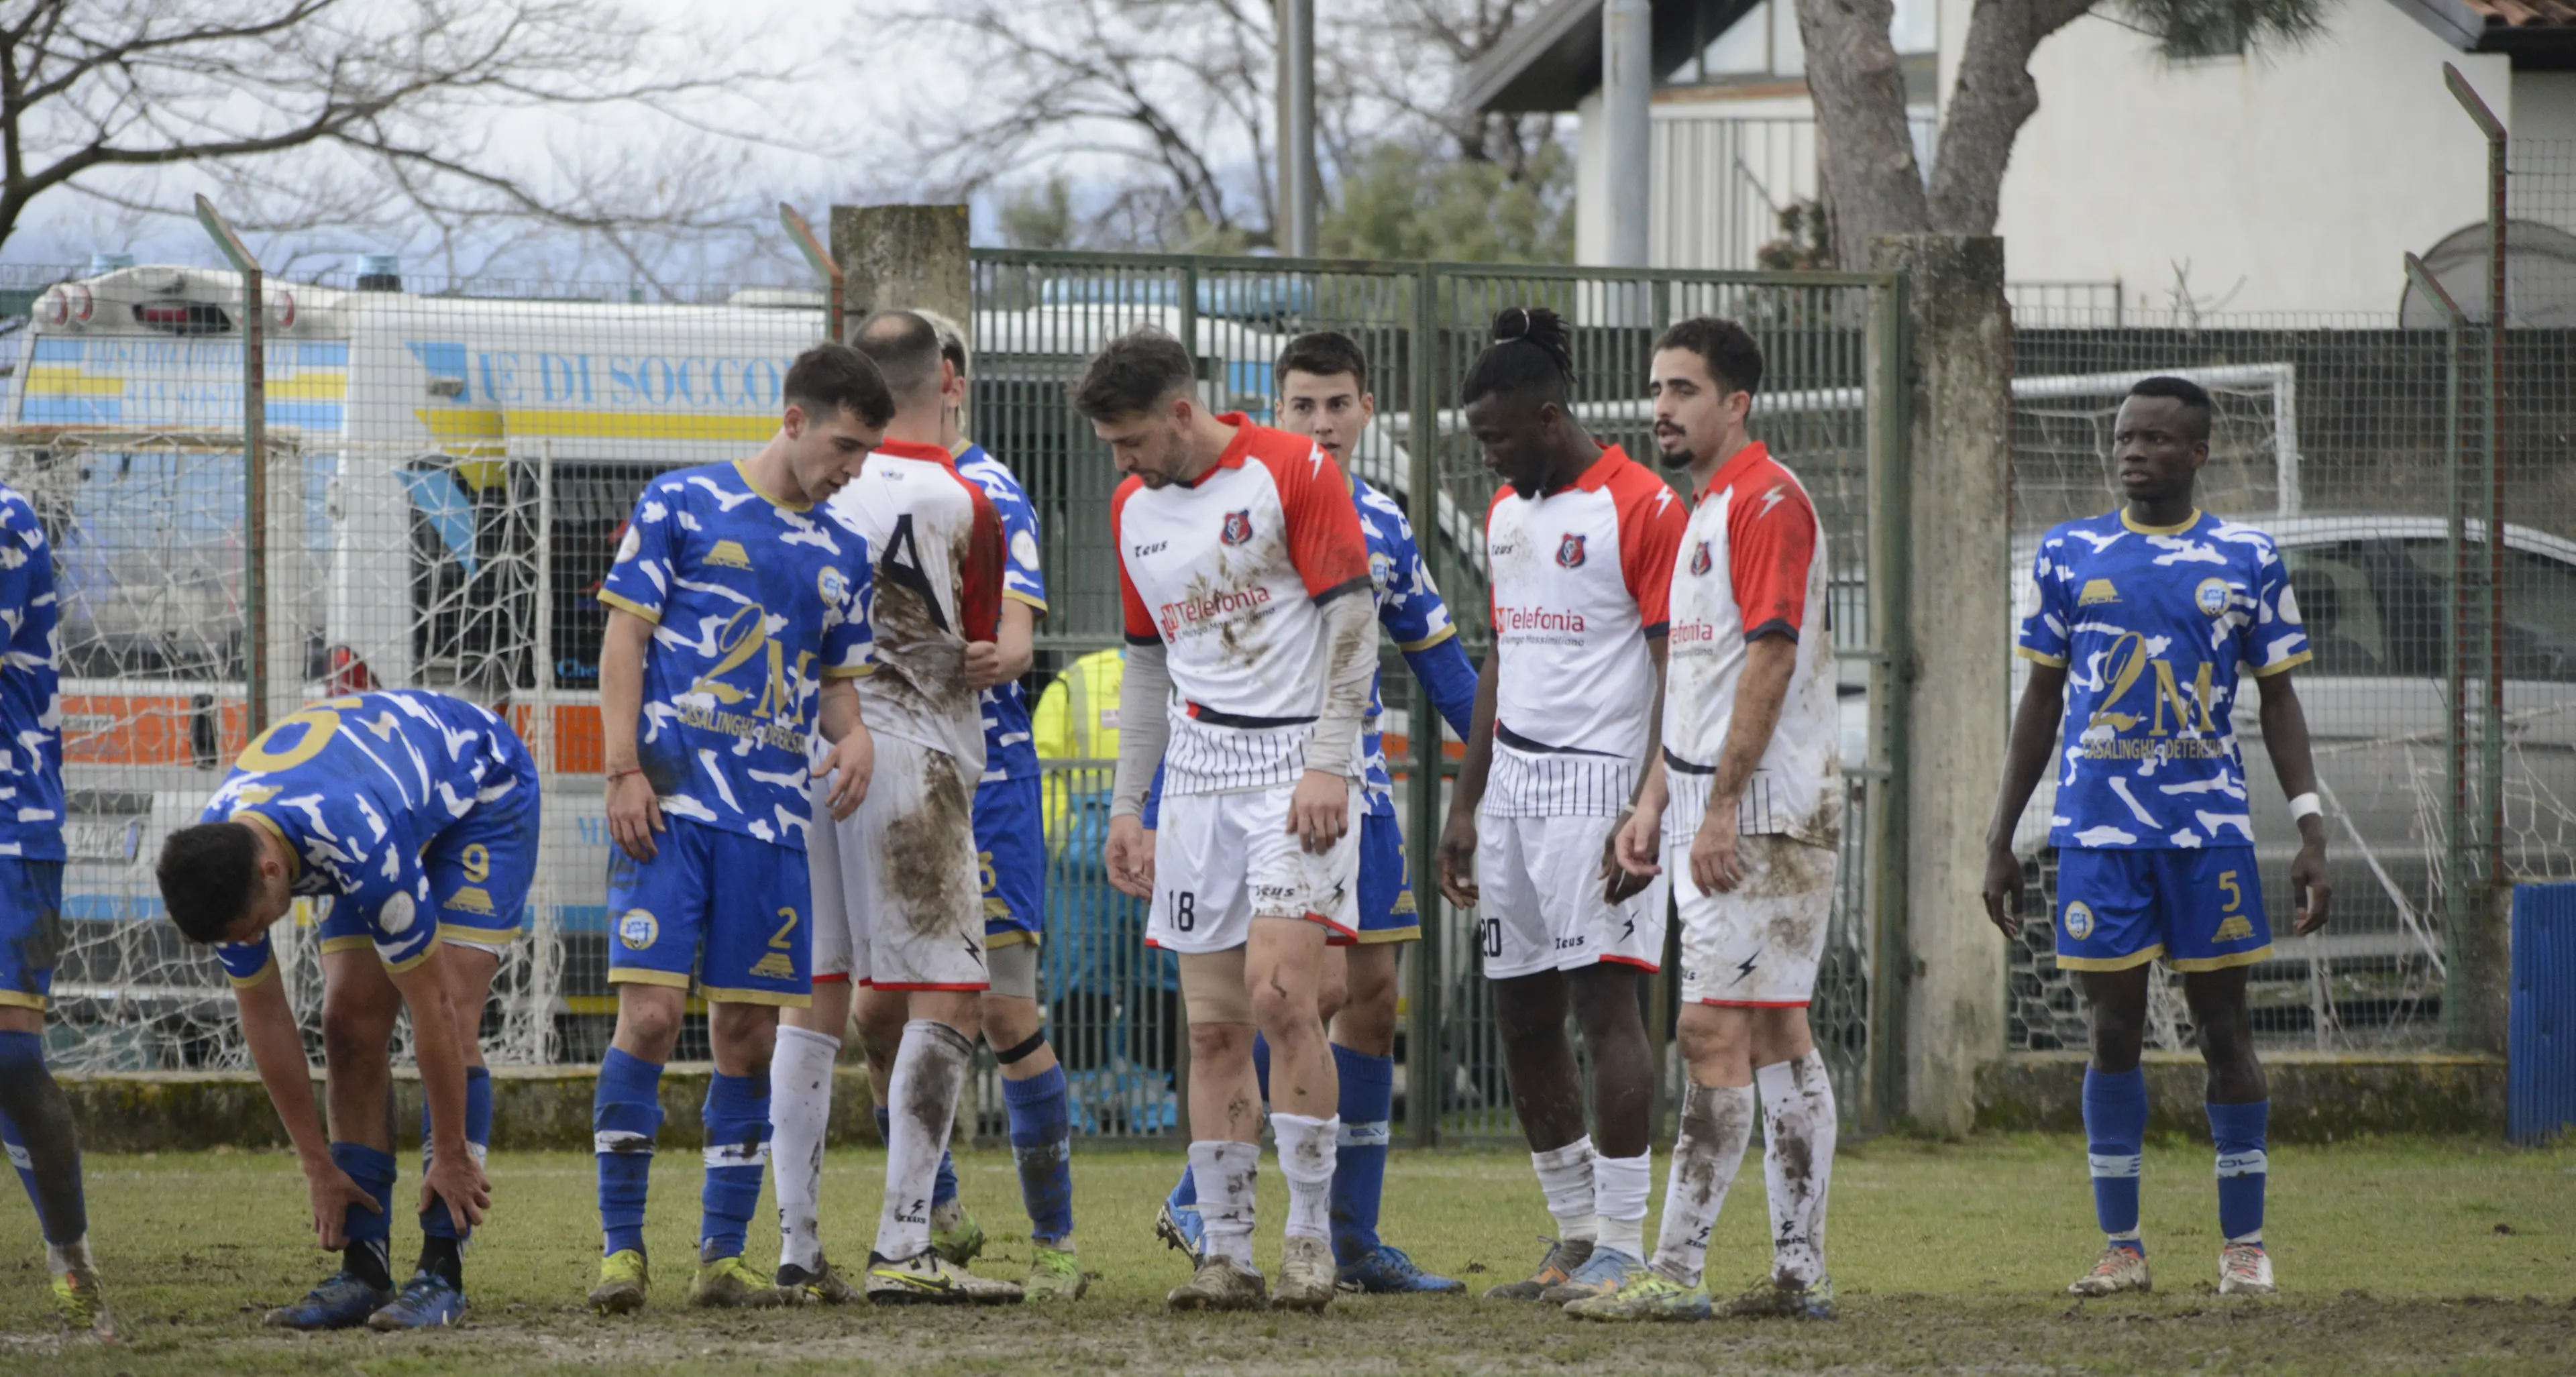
(415, 814)
(2148, 619)
(35, 1118)
(1747, 800)
(896, 903)
(1580, 542)
(737, 618)
(1242, 568)
(1324, 394)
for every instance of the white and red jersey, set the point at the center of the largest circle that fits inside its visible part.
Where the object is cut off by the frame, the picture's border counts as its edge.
(1753, 564)
(937, 543)
(1581, 578)
(1229, 573)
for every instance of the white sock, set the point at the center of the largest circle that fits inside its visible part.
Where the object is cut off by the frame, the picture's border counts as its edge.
(1225, 1172)
(1798, 1128)
(1565, 1178)
(1620, 1186)
(929, 1072)
(1717, 1121)
(800, 1107)
(1307, 1148)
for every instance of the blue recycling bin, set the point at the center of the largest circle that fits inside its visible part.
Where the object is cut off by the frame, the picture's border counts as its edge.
(2540, 1082)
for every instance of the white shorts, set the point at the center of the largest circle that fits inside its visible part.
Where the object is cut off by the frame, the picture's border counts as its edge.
(898, 892)
(1756, 948)
(1542, 906)
(1222, 860)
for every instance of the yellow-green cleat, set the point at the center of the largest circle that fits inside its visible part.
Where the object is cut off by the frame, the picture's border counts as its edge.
(623, 1278)
(83, 1304)
(1055, 1274)
(954, 1234)
(1645, 1295)
(729, 1283)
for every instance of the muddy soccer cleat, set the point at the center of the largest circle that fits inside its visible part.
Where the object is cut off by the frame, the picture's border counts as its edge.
(954, 1234)
(1774, 1299)
(342, 1302)
(1306, 1278)
(1386, 1271)
(926, 1278)
(2244, 1269)
(1055, 1274)
(1561, 1261)
(1221, 1283)
(1179, 1227)
(1646, 1295)
(728, 1283)
(426, 1302)
(2121, 1269)
(1600, 1275)
(623, 1278)
(823, 1286)
(82, 1302)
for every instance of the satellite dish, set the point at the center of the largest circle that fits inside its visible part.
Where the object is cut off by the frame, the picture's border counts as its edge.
(2539, 277)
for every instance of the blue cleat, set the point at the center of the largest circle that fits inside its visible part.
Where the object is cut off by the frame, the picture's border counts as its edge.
(1388, 1272)
(1179, 1227)
(426, 1302)
(342, 1302)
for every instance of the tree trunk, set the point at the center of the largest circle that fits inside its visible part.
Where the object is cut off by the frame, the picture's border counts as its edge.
(1993, 97)
(1873, 186)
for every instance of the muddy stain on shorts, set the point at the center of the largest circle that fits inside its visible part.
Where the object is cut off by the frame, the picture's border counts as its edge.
(920, 851)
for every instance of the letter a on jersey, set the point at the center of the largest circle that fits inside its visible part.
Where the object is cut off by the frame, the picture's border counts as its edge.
(1569, 552)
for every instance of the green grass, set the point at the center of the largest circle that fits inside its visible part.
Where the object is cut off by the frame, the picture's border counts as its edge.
(2393, 1256)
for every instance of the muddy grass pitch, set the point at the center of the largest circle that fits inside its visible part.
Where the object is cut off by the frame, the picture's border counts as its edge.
(2393, 1256)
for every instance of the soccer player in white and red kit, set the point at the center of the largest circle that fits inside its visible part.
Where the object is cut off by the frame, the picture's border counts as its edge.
(1579, 544)
(898, 904)
(1748, 800)
(1245, 578)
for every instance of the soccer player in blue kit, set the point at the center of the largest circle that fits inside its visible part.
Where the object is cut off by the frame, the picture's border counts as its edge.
(416, 815)
(737, 618)
(1324, 393)
(2147, 620)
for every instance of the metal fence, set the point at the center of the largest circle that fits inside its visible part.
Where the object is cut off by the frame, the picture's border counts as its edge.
(449, 465)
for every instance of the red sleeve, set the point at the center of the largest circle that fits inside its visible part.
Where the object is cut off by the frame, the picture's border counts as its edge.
(1139, 618)
(1324, 537)
(1652, 518)
(1770, 542)
(979, 603)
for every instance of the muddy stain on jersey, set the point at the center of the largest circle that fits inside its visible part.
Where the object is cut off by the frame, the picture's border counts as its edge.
(921, 851)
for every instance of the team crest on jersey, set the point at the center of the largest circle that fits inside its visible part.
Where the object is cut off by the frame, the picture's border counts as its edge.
(833, 585)
(638, 929)
(2210, 596)
(2079, 920)
(1569, 552)
(1238, 527)
(1699, 559)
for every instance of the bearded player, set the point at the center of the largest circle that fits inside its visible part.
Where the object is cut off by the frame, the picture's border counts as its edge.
(1324, 394)
(1747, 802)
(1580, 543)
(2147, 622)
(897, 902)
(416, 815)
(1244, 575)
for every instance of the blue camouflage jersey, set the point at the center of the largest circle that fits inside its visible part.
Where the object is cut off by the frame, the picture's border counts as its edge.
(31, 704)
(1009, 753)
(1409, 607)
(358, 788)
(2155, 626)
(755, 601)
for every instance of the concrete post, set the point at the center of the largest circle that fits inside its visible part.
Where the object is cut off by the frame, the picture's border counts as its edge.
(1959, 376)
(904, 256)
(1294, 231)
(1627, 105)
(2483, 985)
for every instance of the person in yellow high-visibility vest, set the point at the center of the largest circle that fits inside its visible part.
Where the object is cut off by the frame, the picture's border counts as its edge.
(1096, 936)
(1077, 719)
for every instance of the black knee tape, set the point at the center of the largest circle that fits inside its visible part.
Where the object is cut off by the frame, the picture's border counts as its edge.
(1023, 1050)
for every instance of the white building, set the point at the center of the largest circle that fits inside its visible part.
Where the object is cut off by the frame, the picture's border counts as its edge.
(2275, 181)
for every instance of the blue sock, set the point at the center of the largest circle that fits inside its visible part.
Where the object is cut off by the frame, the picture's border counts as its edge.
(1042, 1144)
(737, 1120)
(1261, 1064)
(943, 1183)
(2239, 1130)
(370, 1232)
(1359, 1166)
(1185, 1192)
(62, 1211)
(2115, 1132)
(436, 1222)
(625, 1113)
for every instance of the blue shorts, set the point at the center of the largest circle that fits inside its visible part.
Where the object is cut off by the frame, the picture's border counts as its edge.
(2201, 909)
(1387, 913)
(479, 870)
(1011, 850)
(31, 930)
(734, 908)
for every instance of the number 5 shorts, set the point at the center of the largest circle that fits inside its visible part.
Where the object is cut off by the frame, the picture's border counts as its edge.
(2199, 908)
(1222, 860)
(898, 892)
(726, 904)
(1543, 905)
(1756, 946)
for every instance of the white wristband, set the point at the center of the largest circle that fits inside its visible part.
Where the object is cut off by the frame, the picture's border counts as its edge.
(2305, 806)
